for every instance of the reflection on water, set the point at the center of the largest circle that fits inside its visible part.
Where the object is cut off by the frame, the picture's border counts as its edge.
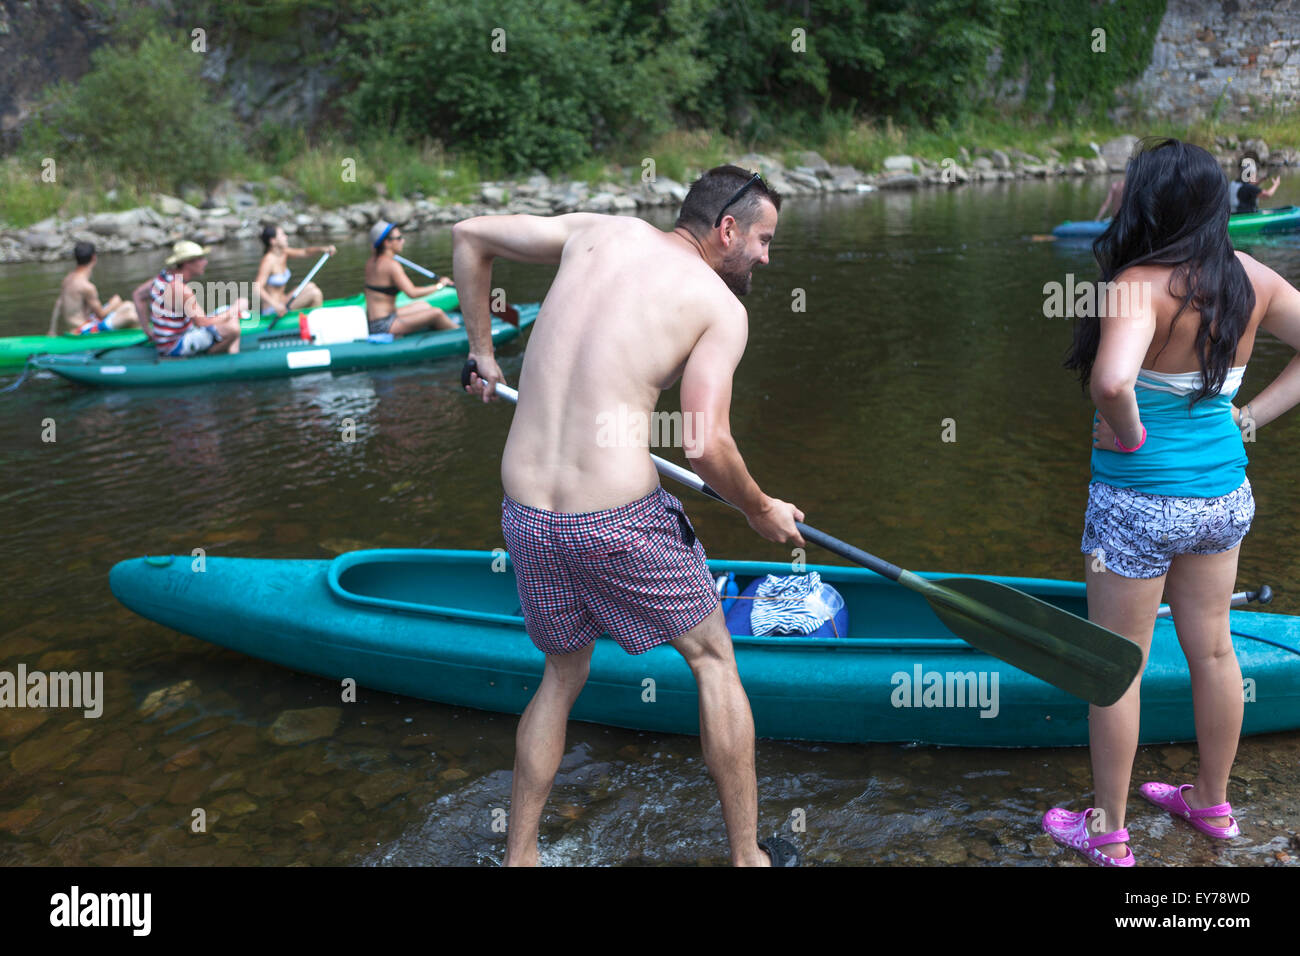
(920, 308)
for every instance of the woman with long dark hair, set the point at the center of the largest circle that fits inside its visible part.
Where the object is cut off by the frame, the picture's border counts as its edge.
(1169, 502)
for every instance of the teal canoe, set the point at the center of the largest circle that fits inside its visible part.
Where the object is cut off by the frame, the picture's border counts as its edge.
(16, 349)
(270, 354)
(1281, 219)
(446, 626)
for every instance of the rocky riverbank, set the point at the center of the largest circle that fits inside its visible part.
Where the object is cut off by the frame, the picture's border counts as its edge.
(238, 211)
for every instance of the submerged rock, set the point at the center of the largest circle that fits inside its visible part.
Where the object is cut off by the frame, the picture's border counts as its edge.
(168, 700)
(300, 726)
(48, 750)
(383, 787)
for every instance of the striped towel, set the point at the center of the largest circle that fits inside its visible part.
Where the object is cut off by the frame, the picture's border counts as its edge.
(789, 605)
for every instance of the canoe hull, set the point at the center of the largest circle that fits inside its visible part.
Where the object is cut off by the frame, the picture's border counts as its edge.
(138, 367)
(926, 686)
(16, 349)
(1264, 222)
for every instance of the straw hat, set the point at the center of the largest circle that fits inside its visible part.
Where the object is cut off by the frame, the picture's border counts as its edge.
(184, 251)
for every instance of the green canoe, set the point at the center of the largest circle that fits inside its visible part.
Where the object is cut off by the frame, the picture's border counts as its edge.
(446, 626)
(15, 349)
(264, 355)
(1281, 219)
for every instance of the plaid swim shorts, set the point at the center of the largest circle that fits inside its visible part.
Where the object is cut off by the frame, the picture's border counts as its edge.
(635, 572)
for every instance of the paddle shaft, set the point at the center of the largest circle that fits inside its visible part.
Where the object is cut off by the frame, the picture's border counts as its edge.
(416, 267)
(692, 480)
(310, 275)
(1264, 595)
(301, 285)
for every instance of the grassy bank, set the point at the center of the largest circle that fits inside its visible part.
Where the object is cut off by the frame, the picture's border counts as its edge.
(336, 173)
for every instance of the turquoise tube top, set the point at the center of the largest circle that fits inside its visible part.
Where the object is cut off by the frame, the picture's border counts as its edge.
(1194, 452)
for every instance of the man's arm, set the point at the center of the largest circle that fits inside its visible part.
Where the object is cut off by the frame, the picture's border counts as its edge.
(54, 315)
(1114, 196)
(706, 413)
(140, 296)
(179, 293)
(94, 307)
(475, 243)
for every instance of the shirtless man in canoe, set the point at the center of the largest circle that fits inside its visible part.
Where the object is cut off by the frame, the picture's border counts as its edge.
(597, 545)
(78, 302)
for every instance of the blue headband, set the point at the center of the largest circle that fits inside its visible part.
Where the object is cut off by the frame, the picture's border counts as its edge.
(384, 235)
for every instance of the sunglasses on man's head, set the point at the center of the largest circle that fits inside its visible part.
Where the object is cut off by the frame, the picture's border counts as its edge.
(735, 198)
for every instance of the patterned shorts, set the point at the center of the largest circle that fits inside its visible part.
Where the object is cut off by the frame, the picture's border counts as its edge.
(635, 572)
(197, 338)
(1138, 534)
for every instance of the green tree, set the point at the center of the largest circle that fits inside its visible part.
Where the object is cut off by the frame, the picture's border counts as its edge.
(144, 112)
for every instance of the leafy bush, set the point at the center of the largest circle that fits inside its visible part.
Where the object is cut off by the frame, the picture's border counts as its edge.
(571, 79)
(144, 113)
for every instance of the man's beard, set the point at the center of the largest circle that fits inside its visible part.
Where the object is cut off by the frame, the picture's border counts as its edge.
(737, 280)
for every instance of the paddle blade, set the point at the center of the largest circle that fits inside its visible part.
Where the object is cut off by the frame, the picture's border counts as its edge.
(1053, 645)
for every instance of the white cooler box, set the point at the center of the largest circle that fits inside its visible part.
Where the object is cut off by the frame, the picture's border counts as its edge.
(334, 324)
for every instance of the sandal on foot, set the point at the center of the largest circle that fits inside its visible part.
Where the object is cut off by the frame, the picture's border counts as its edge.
(1071, 830)
(781, 851)
(1171, 799)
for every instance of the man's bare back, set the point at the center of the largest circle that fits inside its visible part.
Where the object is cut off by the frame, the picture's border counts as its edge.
(632, 310)
(78, 302)
(625, 311)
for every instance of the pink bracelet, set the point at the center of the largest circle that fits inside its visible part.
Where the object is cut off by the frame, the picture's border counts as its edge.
(1120, 445)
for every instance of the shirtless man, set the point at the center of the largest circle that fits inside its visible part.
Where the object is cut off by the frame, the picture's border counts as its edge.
(1114, 196)
(78, 302)
(597, 545)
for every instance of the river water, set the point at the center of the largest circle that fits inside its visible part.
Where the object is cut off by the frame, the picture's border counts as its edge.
(920, 307)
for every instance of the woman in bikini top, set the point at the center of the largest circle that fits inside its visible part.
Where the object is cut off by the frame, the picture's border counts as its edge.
(385, 278)
(273, 274)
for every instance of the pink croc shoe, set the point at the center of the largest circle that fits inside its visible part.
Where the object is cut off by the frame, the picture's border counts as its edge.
(1071, 829)
(1171, 799)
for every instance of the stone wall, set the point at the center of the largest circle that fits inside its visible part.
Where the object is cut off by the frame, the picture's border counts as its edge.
(40, 42)
(1245, 51)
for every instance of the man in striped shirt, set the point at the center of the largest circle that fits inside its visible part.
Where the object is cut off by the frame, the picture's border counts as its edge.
(179, 326)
